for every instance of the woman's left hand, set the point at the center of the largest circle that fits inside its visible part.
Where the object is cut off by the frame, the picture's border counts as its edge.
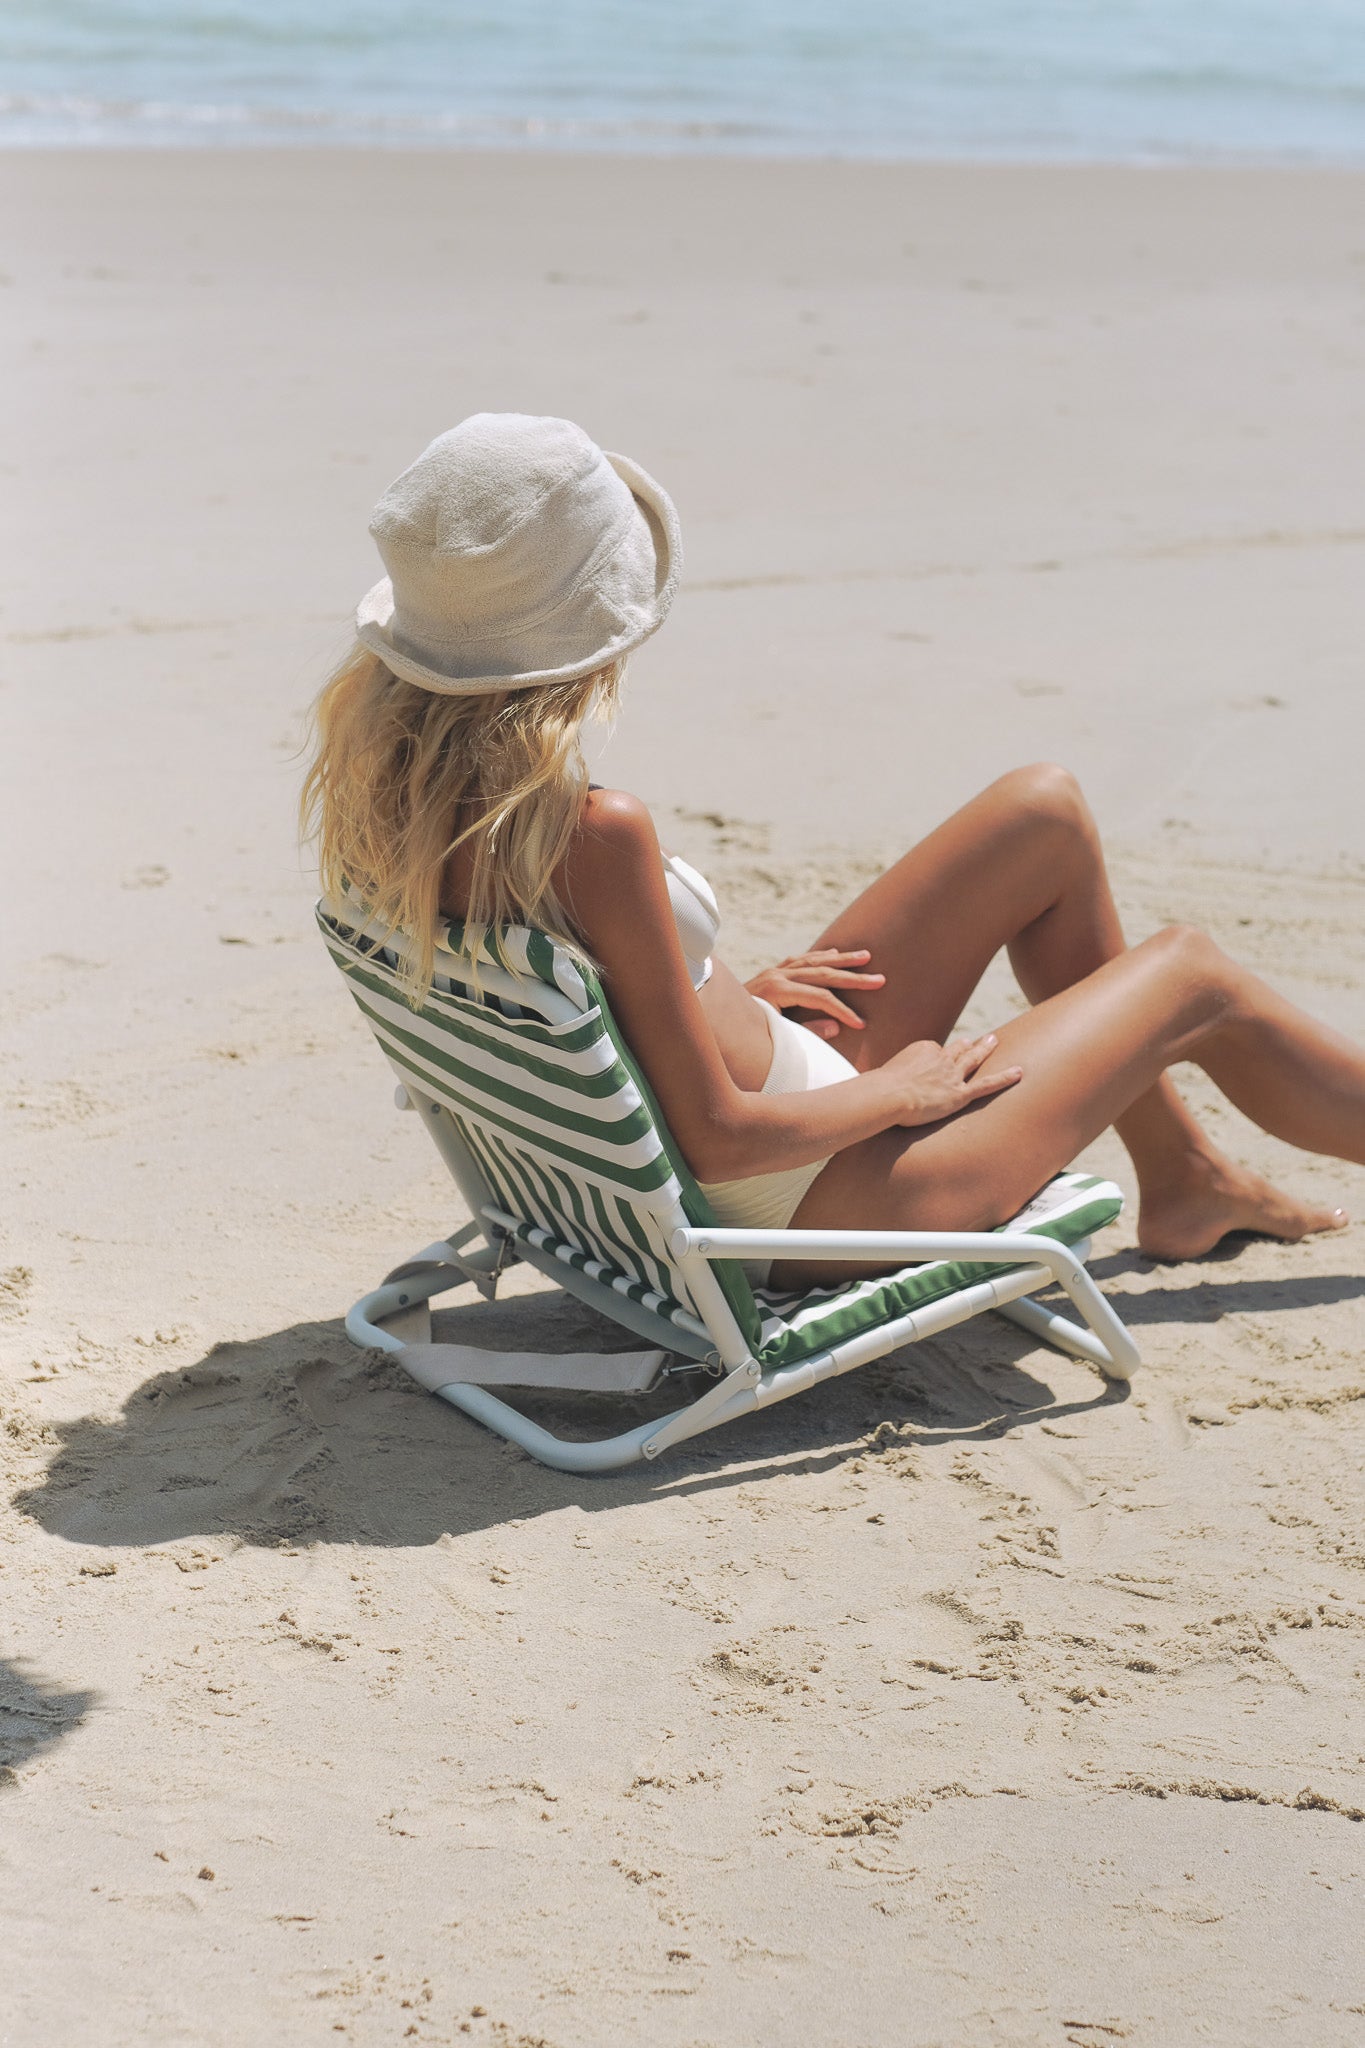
(809, 981)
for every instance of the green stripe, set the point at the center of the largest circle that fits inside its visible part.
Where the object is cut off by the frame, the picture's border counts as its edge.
(594, 1195)
(543, 1189)
(540, 956)
(608, 1248)
(572, 1201)
(541, 1200)
(566, 1230)
(629, 1223)
(522, 1197)
(483, 1159)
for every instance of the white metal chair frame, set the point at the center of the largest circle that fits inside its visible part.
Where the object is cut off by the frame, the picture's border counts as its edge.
(394, 1318)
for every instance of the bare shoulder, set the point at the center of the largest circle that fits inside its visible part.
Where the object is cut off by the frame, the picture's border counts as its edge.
(613, 875)
(617, 816)
(615, 830)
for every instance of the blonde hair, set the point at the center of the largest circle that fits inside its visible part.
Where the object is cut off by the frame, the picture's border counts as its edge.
(401, 777)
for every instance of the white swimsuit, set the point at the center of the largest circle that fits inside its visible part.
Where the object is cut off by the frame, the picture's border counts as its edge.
(800, 1061)
(696, 914)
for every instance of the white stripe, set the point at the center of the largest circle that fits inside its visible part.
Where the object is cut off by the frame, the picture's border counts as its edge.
(569, 981)
(516, 945)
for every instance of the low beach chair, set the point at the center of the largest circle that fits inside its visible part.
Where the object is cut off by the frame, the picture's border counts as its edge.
(518, 1071)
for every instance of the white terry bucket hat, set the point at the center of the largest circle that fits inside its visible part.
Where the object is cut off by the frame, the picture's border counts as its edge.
(518, 553)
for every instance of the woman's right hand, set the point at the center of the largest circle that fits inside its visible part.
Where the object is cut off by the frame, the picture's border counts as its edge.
(934, 1081)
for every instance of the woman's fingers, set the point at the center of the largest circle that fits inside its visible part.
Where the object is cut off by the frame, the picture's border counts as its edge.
(841, 969)
(833, 977)
(992, 1084)
(829, 956)
(971, 1052)
(813, 996)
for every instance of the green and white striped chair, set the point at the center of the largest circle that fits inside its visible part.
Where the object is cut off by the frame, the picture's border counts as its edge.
(516, 1067)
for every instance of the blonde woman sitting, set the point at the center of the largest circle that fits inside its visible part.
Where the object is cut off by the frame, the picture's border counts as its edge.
(524, 565)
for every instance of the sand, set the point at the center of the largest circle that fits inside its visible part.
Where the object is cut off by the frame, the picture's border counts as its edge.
(959, 1702)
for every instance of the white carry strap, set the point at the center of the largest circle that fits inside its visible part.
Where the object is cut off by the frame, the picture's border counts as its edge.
(434, 1366)
(406, 1335)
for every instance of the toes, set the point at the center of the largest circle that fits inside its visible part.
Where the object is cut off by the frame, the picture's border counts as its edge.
(1293, 1223)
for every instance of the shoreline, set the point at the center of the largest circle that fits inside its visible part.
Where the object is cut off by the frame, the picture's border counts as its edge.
(988, 159)
(737, 159)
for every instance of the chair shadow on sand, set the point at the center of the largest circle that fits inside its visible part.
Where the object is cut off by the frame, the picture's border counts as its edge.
(297, 1438)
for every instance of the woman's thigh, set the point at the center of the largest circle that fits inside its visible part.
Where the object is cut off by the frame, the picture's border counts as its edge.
(1086, 1054)
(934, 922)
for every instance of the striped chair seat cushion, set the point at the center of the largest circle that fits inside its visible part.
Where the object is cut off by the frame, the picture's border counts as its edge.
(797, 1326)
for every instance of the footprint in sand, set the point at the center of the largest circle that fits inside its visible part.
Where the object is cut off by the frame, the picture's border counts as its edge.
(16, 1284)
(1054, 1484)
(764, 1672)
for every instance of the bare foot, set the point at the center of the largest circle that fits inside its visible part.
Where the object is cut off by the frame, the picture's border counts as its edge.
(1188, 1218)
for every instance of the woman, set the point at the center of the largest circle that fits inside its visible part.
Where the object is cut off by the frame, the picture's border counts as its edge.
(524, 565)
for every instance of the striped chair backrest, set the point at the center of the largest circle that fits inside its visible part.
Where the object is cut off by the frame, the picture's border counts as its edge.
(520, 1048)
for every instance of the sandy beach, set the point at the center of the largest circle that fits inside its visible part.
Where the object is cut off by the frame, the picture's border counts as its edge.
(963, 1701)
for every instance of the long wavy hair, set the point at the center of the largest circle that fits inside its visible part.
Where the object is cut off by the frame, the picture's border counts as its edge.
(400, 777)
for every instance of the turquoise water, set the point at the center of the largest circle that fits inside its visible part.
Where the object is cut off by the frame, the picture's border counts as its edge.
(1122, 80)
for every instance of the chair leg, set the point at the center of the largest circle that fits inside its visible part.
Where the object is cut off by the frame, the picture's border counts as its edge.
(1065, 1335)
(608, 1454)
(373, 1325)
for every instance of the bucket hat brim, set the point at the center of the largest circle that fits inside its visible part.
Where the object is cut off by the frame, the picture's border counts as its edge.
(374, 614)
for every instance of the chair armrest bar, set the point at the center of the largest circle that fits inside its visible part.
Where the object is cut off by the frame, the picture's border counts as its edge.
(903, 1247)
(907, 1247)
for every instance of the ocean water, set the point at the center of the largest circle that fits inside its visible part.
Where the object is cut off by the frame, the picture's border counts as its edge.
(1117, 80)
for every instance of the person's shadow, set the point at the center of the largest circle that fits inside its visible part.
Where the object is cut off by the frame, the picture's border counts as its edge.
(298, 1438)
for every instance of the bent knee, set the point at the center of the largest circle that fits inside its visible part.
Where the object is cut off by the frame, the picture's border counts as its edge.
(1187, 950)
(1046, 790)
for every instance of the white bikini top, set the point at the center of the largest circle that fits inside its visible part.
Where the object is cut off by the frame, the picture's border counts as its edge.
(696, 914)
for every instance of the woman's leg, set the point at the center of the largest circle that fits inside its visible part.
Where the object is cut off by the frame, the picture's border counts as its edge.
(1021, 866)
(1088, 1054)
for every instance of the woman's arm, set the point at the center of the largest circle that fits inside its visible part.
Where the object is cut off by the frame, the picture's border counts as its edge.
(615, 889)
